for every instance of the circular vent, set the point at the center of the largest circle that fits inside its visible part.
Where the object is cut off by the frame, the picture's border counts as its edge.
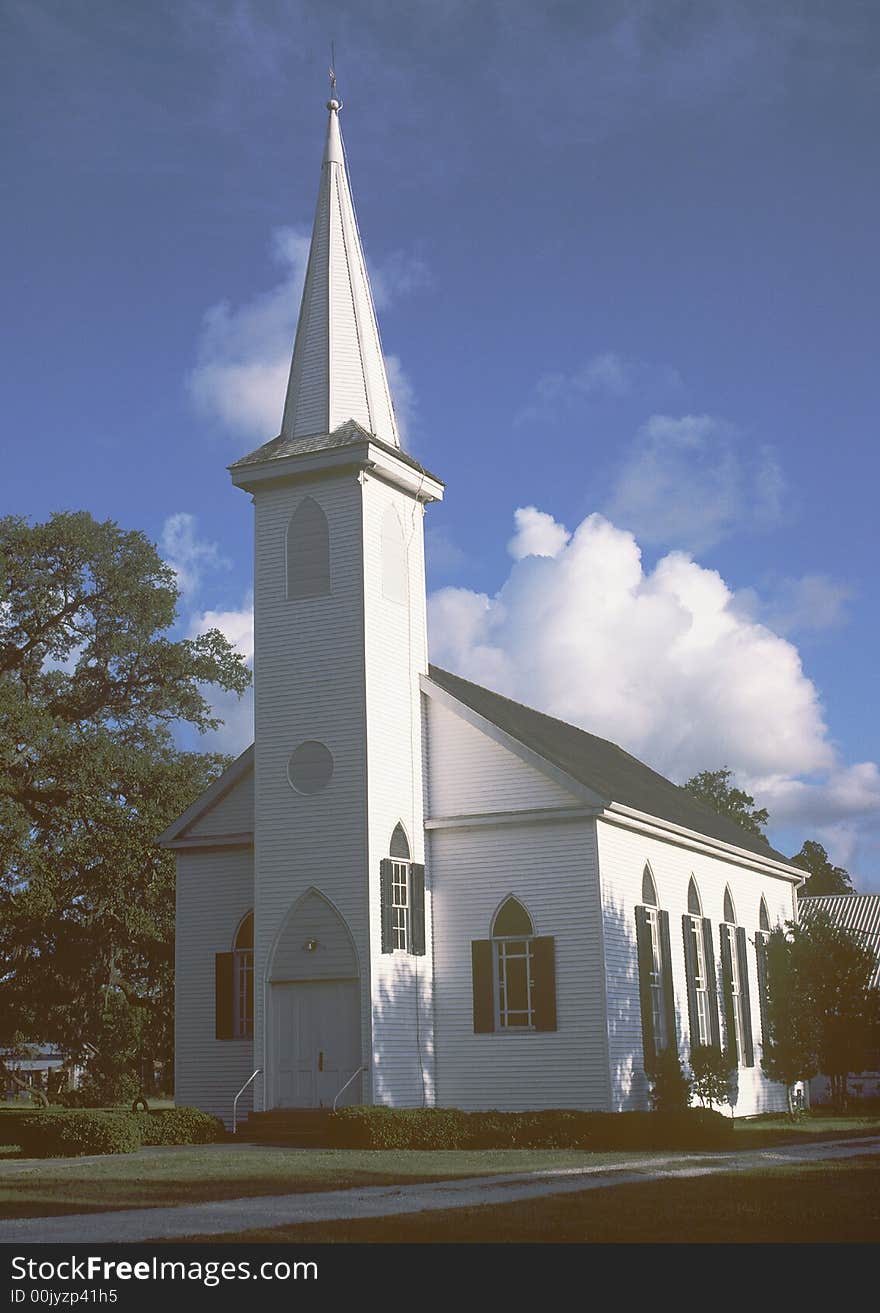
(310, 767)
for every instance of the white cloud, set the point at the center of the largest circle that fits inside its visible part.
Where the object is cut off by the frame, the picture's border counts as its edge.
(607, 374)
(188, 555)
(686, 483)
(815, 601)
(237, 713)
(403, 395)
(537, 534)
(236, 625)
(244, 352)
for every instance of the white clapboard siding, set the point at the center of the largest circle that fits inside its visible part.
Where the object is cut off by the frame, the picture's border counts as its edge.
(471, 773)
(233, 813)
(215, 889)
(313, 921)
(622, 857)
(551, 868)
(309, 685)
(395, 657)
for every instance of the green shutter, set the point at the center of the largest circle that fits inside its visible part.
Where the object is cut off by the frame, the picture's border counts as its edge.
(224, 998)
(711, 982)
(385, 905)
(417, 909)
(646, 961)
(668, 989)
(727, 992)
(690, 963)
(748, 1042)
(484, 991)
(544, 982)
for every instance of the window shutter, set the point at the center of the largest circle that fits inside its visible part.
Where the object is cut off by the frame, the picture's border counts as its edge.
(668, 990)
(646, 958)
(385, 905)
(727, 991)
(761, 961)
(417, 908)
(224, 1000)
(484, 993)
(544, 982)
(748, 1042)
(711, 981)
(690, 963)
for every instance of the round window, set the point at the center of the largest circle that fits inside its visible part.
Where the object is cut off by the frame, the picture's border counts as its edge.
(310, 767)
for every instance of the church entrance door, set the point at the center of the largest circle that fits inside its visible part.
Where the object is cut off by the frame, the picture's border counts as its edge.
(317, 1042)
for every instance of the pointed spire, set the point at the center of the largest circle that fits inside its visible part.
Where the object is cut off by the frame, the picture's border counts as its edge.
(338, 371)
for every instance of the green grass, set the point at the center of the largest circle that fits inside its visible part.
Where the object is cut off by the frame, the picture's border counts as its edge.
(196, 1174)
(823, 1202)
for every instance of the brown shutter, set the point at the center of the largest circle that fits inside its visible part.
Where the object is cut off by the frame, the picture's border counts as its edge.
(709, 951)
(544, 982)
(668, 989)
(690, 964)
(727, 993)
(646, 961)
(748, 1042)
(224, 1005)
(484, 993)
(385, 905)
(417, 908)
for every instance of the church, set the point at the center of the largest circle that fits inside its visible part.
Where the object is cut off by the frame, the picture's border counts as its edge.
(411, 890)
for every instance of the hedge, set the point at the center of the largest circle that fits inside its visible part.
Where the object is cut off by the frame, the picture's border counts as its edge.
(66, 1133)
(450, 1128)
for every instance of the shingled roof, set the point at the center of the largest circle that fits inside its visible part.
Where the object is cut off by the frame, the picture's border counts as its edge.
(601, 766)
(349, 434)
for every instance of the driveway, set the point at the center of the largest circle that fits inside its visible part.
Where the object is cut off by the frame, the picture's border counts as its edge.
(266, 1211)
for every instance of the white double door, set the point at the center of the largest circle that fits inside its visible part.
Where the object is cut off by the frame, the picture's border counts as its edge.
(317, 1042)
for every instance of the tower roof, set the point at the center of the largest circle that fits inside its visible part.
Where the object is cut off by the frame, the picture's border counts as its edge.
(338, 371)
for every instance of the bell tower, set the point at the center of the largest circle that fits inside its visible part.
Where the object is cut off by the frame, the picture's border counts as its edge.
(342, 937)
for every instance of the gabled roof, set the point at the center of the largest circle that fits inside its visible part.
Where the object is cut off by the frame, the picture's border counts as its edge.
(600, 765)
(235, 771)
(857, 912)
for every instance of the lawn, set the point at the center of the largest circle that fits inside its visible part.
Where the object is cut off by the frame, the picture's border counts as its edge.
(196, 1174)
(823, 1202)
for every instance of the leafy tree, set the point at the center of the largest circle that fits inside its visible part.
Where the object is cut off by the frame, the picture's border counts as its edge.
(713, 787)
(670, 1085)
(791, 1032)
(90, 687)
(825, 878)
(712, 1070)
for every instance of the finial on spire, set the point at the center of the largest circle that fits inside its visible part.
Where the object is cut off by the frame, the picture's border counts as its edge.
(333, 103)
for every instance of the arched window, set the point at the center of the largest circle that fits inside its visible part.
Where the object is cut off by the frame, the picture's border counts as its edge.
(762, 936)
(735, 986)
(699, 957)
(234, 984)
(402, 894)
(763, 917)
(393, 557)
(514, 974)
(649, 889)
(655, 974)
(308, 552)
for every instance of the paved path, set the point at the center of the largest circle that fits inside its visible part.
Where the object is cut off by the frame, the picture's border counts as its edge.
(265, 1211)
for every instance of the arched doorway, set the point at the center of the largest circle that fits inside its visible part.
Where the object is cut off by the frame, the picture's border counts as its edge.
(315, 1007)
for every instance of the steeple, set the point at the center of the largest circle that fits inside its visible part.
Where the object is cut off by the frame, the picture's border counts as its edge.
(338, 371)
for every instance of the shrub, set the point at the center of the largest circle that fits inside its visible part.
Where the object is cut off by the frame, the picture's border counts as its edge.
(178, 1126)
(713, 1071)
(450, 1128)
(670, 1087)
(59, 1133)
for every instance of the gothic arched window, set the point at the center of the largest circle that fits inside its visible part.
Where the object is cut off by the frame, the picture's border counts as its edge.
(735, 986)
(234, 984)
(308, 552)
(699, 957)
(655, 974)
(514, 974)
(393, 557)
(402, 894)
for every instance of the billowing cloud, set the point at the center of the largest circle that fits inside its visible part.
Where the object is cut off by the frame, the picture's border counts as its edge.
(244, 352)
(237, 713)
(687, 483)
(537, 534)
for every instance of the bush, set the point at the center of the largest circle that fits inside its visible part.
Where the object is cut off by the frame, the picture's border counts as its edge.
(67, 1134)
(450, 1128)
(178, 1126)
(670, 1087)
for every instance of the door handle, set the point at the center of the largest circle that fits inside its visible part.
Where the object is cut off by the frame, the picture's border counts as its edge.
(321, 1060)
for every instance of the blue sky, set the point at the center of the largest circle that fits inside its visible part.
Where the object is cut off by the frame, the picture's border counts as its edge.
(625, 256)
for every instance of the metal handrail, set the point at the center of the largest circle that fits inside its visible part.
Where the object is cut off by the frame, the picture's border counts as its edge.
(252, 1076)
(346, 1085)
